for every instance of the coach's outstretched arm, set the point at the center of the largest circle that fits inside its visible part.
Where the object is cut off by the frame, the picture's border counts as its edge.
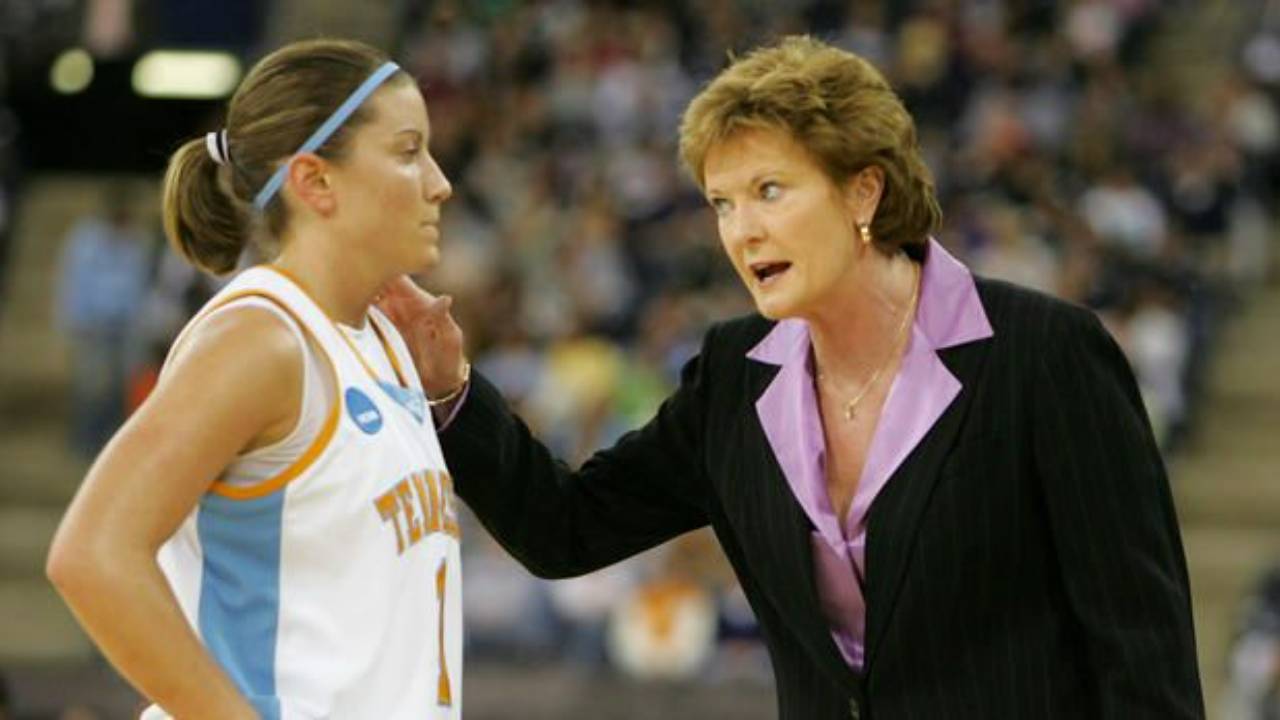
(559, 522)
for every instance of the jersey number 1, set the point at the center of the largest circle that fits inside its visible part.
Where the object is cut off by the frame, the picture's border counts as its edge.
(444, 694)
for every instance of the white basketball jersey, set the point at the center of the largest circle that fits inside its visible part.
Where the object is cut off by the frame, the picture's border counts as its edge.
(333, 589)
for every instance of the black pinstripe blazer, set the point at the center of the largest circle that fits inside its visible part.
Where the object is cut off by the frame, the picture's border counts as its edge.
(1023, 562)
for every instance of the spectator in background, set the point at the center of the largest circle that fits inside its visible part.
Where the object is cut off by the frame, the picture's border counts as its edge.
(509, 614)
(103, 279)
(1125, 215)
(177, 291)
(1251, 122)
(1012, 251)
(1154, 336)
(666, 627)
(1253, 683)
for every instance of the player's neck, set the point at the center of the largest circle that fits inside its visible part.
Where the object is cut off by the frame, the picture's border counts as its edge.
(335, 286)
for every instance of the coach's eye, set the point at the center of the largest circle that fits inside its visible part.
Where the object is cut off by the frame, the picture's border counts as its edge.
(770, 190)
(721, 206)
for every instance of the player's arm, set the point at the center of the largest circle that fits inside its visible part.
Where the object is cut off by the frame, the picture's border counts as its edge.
(234, 385)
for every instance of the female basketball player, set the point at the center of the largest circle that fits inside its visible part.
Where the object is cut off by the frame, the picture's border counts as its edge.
(272, 534)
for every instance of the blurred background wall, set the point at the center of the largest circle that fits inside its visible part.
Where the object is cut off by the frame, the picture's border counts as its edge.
(1119, 153)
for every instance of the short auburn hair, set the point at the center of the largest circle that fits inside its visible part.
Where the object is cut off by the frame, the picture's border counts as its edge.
(840, 109)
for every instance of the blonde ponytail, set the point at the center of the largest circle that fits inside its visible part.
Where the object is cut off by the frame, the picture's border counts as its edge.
(201, 219)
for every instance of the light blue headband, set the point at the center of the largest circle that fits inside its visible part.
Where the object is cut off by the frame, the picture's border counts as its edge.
(339, 116)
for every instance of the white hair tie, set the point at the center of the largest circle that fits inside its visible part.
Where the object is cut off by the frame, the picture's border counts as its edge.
(216, 144)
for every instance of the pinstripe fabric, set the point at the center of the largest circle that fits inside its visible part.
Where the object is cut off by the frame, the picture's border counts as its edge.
(1023, 562)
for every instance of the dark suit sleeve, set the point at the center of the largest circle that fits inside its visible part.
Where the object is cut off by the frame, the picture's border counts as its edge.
(646, 489)
(1114, 525)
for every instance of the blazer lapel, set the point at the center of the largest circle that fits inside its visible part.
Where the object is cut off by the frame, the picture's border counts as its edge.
(788, 574)
(776, 450)
(895, 516)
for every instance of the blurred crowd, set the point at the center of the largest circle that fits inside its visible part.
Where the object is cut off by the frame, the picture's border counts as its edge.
(1066, 159)
(1073, 152)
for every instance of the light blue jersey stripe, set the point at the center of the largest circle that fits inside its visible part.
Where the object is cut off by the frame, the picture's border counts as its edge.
(240, 591)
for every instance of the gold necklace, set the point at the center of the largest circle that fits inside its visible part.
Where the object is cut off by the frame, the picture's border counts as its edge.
(851, 407)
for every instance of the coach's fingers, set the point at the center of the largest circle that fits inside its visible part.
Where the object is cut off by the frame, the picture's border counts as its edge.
(438, 307)
(403, 291)
(406, 303)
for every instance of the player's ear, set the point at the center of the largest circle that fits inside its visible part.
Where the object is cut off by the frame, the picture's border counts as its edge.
(309, 181)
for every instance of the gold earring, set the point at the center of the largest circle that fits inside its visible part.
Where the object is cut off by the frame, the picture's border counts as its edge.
(864, 229)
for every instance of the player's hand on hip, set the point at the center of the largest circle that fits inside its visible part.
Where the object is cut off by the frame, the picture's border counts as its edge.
(435, 340)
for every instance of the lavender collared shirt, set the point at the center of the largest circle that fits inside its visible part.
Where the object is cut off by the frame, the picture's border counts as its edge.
(949, 313)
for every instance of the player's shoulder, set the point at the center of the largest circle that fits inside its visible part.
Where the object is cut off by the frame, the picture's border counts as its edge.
(241, 338)
(240, 362)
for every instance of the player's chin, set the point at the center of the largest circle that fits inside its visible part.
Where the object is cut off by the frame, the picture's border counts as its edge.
(426, 257)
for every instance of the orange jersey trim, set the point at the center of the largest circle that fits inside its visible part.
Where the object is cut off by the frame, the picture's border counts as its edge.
(323, 438)
(304, 461)
(386, 348)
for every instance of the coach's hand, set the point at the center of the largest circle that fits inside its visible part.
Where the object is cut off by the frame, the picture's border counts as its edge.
(433, 337)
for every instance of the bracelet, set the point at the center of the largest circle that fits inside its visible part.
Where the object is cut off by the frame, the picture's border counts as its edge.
(454, 393)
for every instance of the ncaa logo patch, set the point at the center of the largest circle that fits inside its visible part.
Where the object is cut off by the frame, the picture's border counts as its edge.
(363, 412)
(412, 400)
